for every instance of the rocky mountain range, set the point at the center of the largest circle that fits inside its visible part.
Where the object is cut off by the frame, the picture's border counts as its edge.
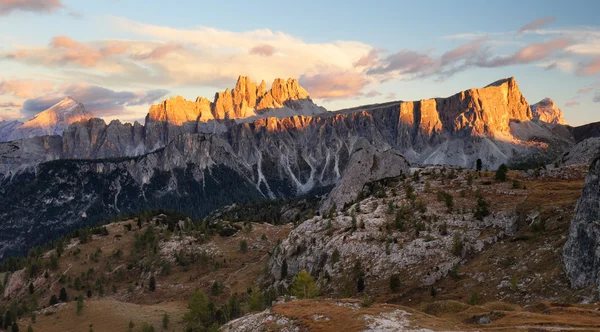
(275, 143)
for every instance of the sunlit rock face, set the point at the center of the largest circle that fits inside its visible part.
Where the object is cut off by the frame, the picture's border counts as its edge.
(545, 110)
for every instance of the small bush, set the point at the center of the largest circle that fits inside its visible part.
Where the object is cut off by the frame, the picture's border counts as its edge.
(457, 245)
(244, 246)
(501, 173)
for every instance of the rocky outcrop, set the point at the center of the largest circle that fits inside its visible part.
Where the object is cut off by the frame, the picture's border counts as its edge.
(329, 245)
(582, 251)
(52, 121)
(366, 164)
(582, 153)
(547, 111)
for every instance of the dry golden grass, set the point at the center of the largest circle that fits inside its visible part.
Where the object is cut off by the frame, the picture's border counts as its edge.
(502, 306)
(109, 315)
(441, 308)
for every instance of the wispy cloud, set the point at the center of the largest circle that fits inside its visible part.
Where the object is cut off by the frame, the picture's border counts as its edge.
(539, 23)
(11, 104)
(159, 52)
(584, 90)
(571, 103)
(589, 68)
(25, 88)
(333, 84)
(36, 6)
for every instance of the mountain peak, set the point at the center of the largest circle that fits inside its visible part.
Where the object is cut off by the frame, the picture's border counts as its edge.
(546, 111)
(510, 80)
(247, 100)
(54, 120)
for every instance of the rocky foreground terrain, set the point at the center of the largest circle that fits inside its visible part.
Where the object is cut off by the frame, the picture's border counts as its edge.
(489, 257)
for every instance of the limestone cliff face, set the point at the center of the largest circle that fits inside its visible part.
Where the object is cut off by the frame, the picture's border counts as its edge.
(493, 123)
(94, 139)
(582, 251)
(174, 117)
(547, 111)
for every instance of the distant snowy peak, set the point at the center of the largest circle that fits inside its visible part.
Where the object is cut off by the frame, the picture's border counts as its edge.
(65, 111)
(52, 121)
(547, 111)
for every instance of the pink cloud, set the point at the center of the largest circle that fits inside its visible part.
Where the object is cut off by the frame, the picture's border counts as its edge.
(372, 93)
(405, 62)
(25, 88)
(368, 60)
(11, 104)
(263, 50)
(69, 51)
(334, 84)
(471, 49)
(571, 103)
(390, 95)
(590, 68)
(64, 42)
(584, 91)
(159, 52)
(528, 54)
(39, 6)
(540, 22)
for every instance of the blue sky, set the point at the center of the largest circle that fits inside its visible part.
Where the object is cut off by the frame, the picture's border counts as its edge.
(119, 56)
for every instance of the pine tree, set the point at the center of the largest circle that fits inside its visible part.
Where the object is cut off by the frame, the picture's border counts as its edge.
(244, 246)
(152, 284)
(284, 269)
(165, 321)
(31, 288)
(256, 300)
(14, 327)
(304, 286)
(479, 165)
(63, 295)
(53, 300)
(501, 173)
(200, 311)
(79, 304)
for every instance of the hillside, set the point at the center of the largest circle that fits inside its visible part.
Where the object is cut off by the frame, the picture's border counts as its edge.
(490, 278)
